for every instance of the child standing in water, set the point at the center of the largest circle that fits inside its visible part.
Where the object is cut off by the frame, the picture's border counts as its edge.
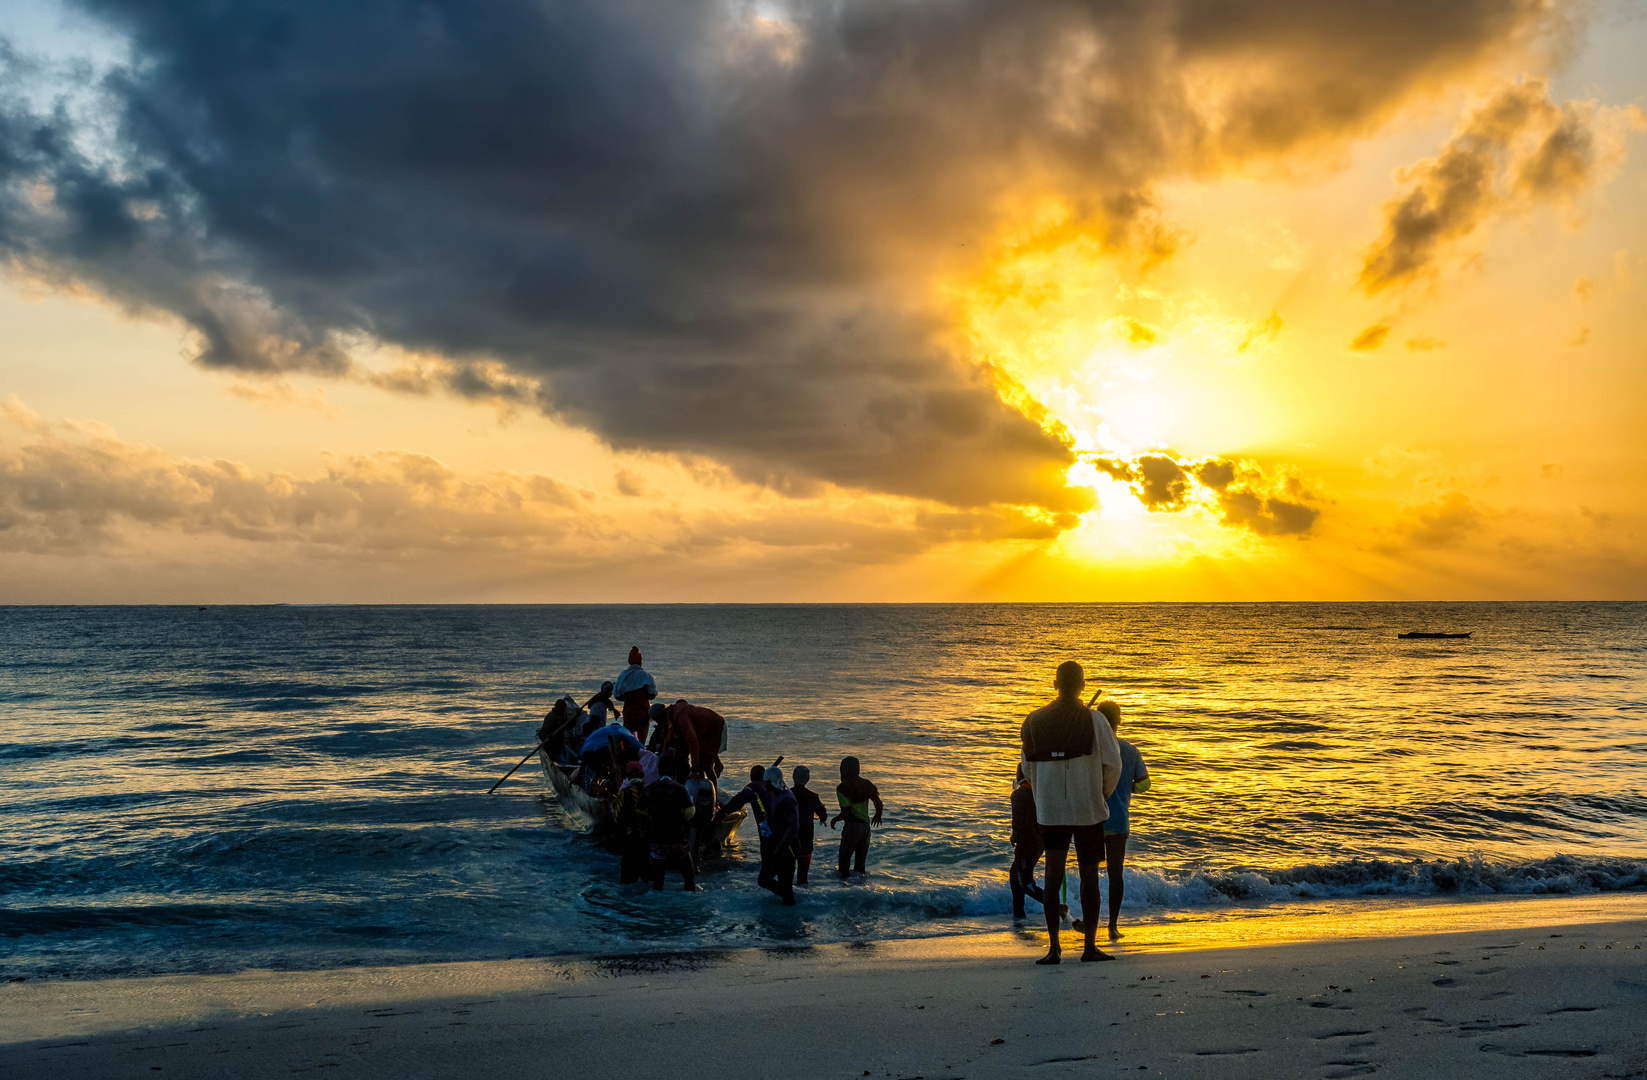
(855, 795)
(1134, 780)
(811, 807)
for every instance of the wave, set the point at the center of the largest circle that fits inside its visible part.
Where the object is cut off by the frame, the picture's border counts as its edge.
(1470, 875)
(57, 920)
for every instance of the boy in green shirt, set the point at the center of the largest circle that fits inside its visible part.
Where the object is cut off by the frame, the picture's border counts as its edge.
(855, 795)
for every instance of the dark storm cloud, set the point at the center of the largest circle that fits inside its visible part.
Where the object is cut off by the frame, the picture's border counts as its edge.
(1267, 515)
(1244, 496)
(1159, 481)
(1517, 149)
(681, 224)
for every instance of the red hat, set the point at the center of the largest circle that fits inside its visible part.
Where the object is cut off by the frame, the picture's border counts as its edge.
(634, 654)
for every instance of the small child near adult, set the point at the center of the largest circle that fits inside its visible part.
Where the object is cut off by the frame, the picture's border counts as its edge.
(1026, 847)
(811, 807)
(855, 795)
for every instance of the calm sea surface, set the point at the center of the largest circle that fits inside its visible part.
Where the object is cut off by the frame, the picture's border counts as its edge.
(218, 788)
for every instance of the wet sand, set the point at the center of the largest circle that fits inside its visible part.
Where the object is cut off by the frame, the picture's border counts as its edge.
(1553, 1000)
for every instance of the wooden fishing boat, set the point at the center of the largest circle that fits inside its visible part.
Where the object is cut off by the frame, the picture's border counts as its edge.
(1422, 634)
(598, 809)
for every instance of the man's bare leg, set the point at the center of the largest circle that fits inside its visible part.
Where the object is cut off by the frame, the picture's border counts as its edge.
(1055, 881)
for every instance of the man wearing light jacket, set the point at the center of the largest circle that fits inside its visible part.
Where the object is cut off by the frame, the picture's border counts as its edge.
(1073, 764)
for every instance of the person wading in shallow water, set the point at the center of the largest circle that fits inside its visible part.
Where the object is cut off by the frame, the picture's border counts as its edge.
(811, 806)
(1073, 763)
(855, 794)
(758, 797)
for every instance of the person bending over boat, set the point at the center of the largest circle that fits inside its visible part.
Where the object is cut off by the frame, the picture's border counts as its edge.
(1073, 764)
(634, 825)
(778, 868)
(758, 797)
(608, 751)
(635, 688)
(691, 735)
(670, 811)
(855, 795)
(810, 807)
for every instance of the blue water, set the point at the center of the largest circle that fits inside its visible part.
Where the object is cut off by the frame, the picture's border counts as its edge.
(188, 789)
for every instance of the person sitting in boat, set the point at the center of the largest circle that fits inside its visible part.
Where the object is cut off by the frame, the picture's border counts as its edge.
(558, 732)
(607, 752)
(599, 707)
(635, 688)
(691, 736)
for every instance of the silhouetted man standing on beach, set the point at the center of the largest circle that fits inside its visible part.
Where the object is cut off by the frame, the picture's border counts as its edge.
(1073, 763)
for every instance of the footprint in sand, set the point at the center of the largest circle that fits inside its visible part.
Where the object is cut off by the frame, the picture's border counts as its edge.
(1487, 1025)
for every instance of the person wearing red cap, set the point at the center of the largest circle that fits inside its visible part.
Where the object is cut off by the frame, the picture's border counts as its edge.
(636, 690)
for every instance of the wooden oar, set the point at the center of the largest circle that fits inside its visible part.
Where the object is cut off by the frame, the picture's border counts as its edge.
(511, 772)
(570, 722)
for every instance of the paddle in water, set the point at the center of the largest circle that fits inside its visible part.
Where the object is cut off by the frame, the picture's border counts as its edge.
(530, 752)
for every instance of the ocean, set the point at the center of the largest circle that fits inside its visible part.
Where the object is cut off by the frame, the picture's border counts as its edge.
(220, 788)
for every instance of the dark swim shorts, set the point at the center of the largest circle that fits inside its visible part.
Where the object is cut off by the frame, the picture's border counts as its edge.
(1089, 841)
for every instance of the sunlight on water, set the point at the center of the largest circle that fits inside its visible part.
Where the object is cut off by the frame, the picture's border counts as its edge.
(201, 789)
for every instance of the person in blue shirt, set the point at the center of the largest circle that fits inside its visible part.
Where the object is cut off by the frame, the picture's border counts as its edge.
(599, 748)
(1134, 781)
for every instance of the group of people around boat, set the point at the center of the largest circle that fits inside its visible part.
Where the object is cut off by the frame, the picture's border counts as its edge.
(665, 804)
(1074, 786)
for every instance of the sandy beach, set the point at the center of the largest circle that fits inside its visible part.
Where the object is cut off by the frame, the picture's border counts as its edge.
(1512, 1000)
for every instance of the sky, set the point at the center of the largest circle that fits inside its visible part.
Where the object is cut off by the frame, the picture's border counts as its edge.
(873, 300)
